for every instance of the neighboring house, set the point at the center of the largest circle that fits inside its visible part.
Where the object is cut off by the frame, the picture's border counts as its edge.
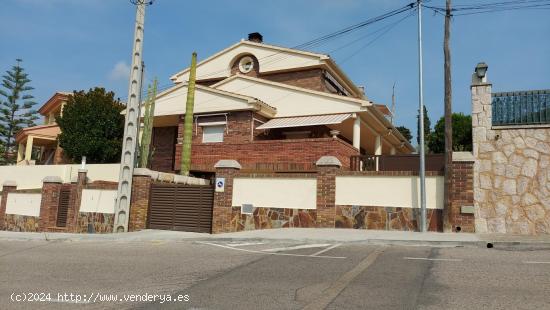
(270, 108)
(42, 138)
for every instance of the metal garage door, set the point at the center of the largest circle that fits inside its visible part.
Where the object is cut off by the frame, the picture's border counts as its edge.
(181, 207)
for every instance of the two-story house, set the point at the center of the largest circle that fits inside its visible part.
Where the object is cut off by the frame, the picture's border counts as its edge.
(42, 138)
(270, 108)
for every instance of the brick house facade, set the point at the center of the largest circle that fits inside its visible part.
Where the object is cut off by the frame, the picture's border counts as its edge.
(323, 113)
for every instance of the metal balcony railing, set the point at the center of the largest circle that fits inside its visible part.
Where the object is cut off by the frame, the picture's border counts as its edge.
(404, 162)
(521, 108)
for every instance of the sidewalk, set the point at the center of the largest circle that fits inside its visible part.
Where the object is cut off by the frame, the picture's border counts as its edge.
(304, 235)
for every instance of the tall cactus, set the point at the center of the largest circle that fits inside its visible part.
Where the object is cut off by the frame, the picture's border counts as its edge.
(188, 129)
(148, 125)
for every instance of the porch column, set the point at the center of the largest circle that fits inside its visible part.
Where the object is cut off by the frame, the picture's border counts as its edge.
(392, 150)
(20, 152)
(28, 148)
(357, 132)
(377, 148)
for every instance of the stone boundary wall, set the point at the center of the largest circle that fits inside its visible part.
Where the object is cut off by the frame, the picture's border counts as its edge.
(79, 221)
(511, 172)
(227, 218)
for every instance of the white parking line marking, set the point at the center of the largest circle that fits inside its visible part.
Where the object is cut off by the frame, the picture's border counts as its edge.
(535, 262)
(298, 247)
(327, 249)
(245, 243)
(434, 259)
(265, 253)
(340, 284)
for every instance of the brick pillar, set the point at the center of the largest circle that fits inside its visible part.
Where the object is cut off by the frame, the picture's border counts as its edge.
(141, 195)
(221, 221)
(50, 201)
(461, 213)
(327, 168)
(8, 187)
(76, 199)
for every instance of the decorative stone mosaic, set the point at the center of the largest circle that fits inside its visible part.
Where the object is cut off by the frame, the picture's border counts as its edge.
(385, 218)
(15, 222)
(265, 218)
(511, 173)
(103, 222)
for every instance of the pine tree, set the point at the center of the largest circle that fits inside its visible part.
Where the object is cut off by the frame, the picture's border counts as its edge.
(16, 108)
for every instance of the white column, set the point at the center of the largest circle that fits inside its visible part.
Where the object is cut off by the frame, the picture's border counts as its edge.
(28, 148)
(20, 152)
(392, 150)
(378, 145)
(377, 148)
(357, 133)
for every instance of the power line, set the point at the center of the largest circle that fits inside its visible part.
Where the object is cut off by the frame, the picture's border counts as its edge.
(465, 9)
(325, 38)
(388, 28)
(317, 41)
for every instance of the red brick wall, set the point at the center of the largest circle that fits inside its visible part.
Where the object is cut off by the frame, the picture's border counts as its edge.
(307, 78)
(239, 127)
(49, 205)
(163, 141)
(326, 195)
(221, 211)
(139, 205)
(299, 154)
(462, 194)
(311, 79)
(253, 153)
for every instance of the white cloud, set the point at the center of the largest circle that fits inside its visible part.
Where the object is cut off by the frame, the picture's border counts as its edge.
(121, 71)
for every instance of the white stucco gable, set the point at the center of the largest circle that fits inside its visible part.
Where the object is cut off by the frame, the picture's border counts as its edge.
(290, 100)
(207, 100)
(270, 57)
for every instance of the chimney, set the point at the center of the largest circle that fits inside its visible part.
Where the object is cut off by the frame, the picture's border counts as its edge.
(255, 37)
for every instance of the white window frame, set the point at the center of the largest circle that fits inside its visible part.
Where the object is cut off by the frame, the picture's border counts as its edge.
(210, 126)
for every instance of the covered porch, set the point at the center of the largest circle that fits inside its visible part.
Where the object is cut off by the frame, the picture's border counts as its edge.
(37, 145)
(362, 130)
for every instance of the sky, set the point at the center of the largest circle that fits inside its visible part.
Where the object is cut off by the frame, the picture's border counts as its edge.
(79, 44)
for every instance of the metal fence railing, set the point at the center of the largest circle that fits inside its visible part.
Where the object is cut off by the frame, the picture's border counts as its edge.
(401, 162)
(521, 108)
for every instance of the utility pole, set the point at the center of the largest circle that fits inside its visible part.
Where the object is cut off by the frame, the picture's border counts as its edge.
(423, 227)
(448, 121)
(131, 124)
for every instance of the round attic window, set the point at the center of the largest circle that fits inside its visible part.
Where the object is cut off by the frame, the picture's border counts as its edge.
(246, 64)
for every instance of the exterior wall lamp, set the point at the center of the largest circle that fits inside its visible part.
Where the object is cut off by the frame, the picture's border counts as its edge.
(481, 70)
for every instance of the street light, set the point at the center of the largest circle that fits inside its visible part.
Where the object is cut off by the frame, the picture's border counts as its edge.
(481, 69)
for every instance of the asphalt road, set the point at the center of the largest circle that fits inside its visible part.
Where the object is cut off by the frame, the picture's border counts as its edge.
(268, 275)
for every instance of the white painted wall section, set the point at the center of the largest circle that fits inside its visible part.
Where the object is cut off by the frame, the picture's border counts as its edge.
(388, 191)
(23, 204)
(275, 192)
(98, 200)
(219, 65)
(288, 101)
(29, 177)
(170, 103)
